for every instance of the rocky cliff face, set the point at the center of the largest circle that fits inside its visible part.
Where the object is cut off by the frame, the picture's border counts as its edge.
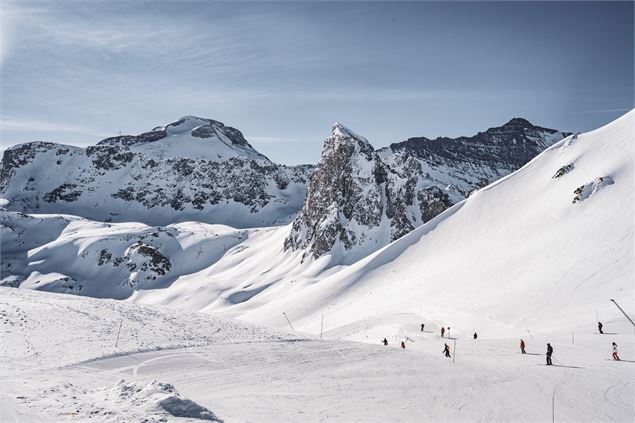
(360, 199)
(192, 169)
(358, 203)
(465, 164)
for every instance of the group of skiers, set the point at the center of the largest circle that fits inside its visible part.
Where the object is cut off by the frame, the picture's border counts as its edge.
(446, 347)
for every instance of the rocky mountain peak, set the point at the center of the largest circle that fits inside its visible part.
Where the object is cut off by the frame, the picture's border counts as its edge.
(204, 128)
(190, 137)
(341, 131)
(519, 122)
(345, 143)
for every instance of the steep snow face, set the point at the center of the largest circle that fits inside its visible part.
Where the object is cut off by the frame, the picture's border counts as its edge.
(192, 169)
(359, 199)
(542, 248)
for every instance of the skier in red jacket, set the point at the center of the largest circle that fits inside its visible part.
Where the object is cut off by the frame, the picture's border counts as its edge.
(403, 345)
(522, 346)
(442, 331)
(615, 356)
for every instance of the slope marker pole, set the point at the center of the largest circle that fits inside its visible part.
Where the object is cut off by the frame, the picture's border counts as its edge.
(288, 321)
(623, 312)
(118, 332)
(322, 326)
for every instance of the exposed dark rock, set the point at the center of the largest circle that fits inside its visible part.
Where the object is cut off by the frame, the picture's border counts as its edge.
(563, 171)
(65, 192)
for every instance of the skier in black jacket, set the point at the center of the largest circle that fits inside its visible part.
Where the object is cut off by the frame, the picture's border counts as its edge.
(549, 352)
(446, 350)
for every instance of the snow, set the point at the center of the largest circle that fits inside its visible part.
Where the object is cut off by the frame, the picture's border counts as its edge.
(181, 143)
(60, 364)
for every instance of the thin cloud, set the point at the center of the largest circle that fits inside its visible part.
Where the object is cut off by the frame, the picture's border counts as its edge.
(220, 48)
(33, 125)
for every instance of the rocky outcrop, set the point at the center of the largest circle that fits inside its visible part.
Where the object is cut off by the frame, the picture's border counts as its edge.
(585, 191)
(357, 203)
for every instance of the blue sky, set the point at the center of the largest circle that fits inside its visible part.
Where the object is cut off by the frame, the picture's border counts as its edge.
(283, 73)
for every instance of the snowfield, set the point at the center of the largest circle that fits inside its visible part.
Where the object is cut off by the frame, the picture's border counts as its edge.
(60, 363)
(204, 334)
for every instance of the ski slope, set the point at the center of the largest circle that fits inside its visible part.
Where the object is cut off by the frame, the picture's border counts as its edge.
(60, 363)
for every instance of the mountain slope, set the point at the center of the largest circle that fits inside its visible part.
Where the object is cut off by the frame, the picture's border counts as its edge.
(541, 248)
(72, 255)
(192, 169)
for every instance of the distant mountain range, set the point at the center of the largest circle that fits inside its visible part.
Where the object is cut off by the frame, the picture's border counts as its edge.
(356, 200)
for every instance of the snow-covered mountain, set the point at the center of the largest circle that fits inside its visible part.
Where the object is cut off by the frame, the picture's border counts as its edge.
(192, 169)
(544, 247)
(465, 164)
(360, 199)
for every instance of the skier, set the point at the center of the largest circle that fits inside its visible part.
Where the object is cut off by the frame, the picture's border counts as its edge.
(615, 356)
(448, 331)
(549, 352)
(403, 345)
(422, 326)
(522, 346)
(385, 342)
(600, 328)
(442, 331)
(446, 350)
(475, 335)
